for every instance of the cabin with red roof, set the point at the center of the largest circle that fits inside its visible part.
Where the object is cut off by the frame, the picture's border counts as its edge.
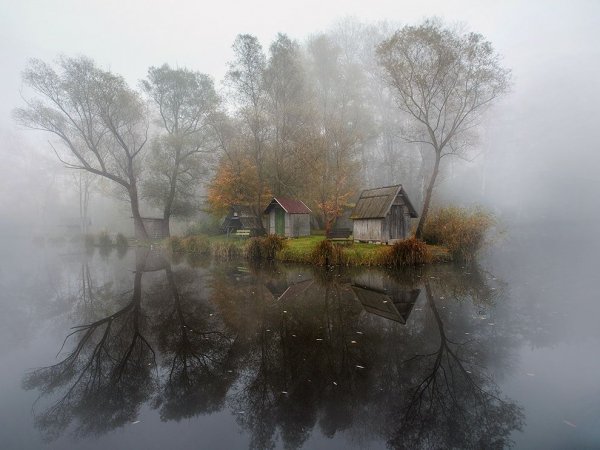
(288, 217)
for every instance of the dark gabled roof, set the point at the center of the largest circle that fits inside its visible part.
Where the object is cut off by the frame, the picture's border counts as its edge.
(376, 203)
(250, 223)
(241, 211)
(242, 214)
(290, 205)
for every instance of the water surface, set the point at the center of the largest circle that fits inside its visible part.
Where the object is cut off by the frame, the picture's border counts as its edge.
(138, 350)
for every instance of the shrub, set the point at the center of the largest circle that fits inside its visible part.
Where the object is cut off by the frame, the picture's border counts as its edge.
(271, 245)
(175, 243)
(326, 253)
(259, 248)
(104, 240)
(408, 252)
(121, 241)
(225, 250)
(253, 249)
(463, 231)
(196, 244)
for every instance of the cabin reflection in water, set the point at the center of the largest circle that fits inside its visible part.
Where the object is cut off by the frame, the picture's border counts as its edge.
(377, 293)
(384, 297)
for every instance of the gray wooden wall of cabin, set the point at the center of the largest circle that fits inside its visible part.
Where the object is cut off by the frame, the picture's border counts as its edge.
(297, 225)
(368, 230)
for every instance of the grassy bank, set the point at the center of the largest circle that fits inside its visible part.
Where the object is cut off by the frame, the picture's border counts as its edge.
(311, 250)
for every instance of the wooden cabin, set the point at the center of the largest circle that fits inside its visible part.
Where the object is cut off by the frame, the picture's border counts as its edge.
(241, 218)
(382, 215)
(288, 217)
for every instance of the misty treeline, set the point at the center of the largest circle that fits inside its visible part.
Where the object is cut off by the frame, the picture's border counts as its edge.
(359, 106)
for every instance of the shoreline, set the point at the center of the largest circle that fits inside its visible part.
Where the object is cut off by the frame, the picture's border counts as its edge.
(296, 250)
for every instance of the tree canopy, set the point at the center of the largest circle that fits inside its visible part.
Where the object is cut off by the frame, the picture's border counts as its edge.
(444, 80)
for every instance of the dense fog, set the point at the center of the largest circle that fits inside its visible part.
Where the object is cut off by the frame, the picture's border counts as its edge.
(534, 160)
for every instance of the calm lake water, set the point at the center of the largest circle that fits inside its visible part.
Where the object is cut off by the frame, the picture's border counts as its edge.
(136, 351)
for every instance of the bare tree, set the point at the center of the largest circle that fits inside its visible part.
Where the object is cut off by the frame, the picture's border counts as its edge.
(99, 121)
(444, 80)
(289, 114)
(186, 102)
(246, 76)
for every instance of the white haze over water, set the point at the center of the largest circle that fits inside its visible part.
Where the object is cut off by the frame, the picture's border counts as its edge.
(541, 152)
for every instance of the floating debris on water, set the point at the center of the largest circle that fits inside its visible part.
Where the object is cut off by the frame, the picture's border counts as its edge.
(571, 424)
(359, 367)
(353, 342)
(137, 421)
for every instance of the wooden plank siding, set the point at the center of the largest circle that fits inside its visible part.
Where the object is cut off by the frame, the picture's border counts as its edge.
(382, 215)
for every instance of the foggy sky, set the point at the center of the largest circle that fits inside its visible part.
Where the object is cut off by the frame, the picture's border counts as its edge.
(541, 142)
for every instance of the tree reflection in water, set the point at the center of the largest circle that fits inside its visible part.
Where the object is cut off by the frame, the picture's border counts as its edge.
(400, 358)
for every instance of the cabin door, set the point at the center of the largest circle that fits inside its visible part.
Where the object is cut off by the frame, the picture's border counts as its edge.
(279, 221)
(396, 222)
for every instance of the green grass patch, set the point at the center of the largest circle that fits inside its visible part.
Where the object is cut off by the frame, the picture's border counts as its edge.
(313, 249)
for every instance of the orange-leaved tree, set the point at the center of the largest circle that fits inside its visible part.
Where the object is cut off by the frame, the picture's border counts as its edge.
(236, 182)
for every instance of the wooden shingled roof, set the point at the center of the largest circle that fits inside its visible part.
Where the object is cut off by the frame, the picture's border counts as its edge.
(376, 203)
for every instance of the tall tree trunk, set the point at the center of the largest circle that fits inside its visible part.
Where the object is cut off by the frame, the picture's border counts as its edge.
(140, 229)
(427, 202)
(168, 210)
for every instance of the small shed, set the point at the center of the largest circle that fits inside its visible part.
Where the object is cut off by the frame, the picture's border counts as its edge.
(382, 215)
(288, 217)
(241, 217)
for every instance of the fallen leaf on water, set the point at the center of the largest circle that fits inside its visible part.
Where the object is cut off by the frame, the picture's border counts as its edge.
(137, 421)
(571, 424)
(319, 339)
(359, 367)
(335, 383)
(353, 342)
